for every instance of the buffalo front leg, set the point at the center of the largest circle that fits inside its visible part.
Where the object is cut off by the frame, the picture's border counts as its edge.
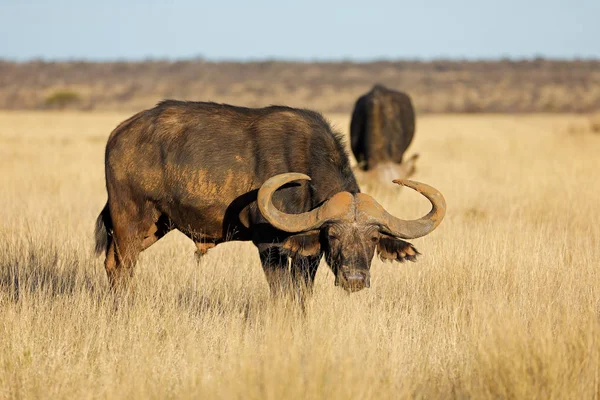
(303, 272)
(275, 266)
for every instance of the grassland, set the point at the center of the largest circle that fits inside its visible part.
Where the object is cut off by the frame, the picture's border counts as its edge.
(504, 302)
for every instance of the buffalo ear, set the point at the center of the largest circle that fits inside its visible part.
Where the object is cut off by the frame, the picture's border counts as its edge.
(305, 244)
(392, 249)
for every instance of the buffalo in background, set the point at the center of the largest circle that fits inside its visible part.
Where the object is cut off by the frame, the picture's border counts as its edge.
(382, 128)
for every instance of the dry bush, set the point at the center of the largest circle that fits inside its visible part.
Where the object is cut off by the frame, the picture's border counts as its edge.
(503, 303)
(585, 126)
(595, 123)
(61, 99)
(438, 86)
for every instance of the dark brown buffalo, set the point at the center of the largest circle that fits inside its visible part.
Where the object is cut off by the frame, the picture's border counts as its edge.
(382, 128)
(220, 173)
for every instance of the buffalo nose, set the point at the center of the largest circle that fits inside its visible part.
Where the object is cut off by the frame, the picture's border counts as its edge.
(355, 277)
(355, 280)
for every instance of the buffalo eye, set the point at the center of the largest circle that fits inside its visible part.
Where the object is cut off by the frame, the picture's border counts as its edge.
(333, 237)
(374, 239)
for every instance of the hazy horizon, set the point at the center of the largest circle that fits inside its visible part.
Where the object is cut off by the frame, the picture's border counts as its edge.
(311, 31)
(296, 60)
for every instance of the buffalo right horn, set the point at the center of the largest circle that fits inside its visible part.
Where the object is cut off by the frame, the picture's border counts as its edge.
(291, 222)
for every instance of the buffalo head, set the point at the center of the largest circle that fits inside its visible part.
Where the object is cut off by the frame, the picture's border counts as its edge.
(348, 228)
(386, 171)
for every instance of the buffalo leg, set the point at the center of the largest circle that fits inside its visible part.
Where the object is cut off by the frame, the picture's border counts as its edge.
(110, 263)
(157, 230)
(275, 266)
(126, 250)
(134, 229)
(303, 271)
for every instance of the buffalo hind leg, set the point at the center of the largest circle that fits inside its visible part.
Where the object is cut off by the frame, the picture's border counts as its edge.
(133, 231)
(159, 229)
(110, 263)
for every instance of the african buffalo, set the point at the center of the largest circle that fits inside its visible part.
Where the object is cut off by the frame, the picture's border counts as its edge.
(382, 128)
(221, 173)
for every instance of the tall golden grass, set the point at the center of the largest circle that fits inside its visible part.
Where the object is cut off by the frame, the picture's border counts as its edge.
(504, 302)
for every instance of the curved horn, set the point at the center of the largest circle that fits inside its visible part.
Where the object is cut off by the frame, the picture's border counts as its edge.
(424, 225)
(280, 220)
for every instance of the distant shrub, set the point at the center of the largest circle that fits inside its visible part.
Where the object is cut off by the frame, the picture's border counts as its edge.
(62, 99)
(472, 107)
(591, 125)
(595, 123)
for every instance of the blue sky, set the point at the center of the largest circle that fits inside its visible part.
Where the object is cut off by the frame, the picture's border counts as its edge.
(307, 30)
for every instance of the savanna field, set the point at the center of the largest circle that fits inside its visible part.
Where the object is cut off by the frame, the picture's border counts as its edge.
(503, 303)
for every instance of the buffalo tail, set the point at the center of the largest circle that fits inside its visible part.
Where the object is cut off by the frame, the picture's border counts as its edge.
(103, 230)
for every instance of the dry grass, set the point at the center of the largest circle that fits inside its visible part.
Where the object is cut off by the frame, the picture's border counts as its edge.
(504, 302)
